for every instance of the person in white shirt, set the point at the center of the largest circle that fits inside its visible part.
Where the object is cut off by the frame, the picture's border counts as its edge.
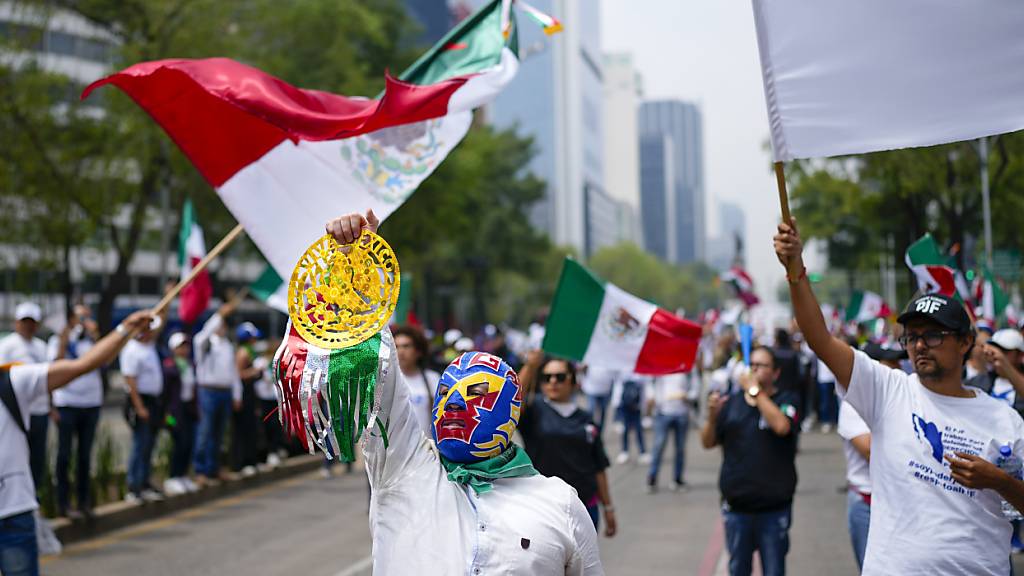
(467, 501)
(144, 410)
(20, 385)
(23, 346)
(219, 389)
(412, 349)
(936, 495)
(597, 384)
(182, 412)
(669, 398)
(78, 409)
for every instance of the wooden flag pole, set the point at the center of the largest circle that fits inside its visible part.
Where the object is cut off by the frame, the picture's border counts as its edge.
(220, 247)
(787, 217)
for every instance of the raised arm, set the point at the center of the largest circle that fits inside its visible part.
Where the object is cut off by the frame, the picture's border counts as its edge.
(61, 372)
(835, 353)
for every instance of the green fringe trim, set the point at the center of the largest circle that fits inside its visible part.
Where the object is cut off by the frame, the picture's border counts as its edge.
(351, 387)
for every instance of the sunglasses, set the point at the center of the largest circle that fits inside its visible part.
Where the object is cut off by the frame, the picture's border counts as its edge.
(556, 376)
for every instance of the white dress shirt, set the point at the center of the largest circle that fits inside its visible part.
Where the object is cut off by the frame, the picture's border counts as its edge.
(424, 524)
(14, 348)
(215, 359)
(141, 361)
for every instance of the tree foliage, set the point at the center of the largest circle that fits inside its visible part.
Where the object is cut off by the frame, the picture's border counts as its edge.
(856, 203)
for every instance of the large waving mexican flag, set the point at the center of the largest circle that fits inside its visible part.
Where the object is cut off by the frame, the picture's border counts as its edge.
(285, 159)
(598, 323)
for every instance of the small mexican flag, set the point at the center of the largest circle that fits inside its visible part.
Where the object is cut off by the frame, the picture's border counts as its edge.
(195, 296)
(990, 297)
(743, 284)
(866, 306)
(600, 324)
(932, 270)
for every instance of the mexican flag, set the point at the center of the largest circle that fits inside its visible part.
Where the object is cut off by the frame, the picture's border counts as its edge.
(991, 299)
(600, 324)
(195, 296)
(743, 284)
(285, 159)
(866, 306)
(933, 272)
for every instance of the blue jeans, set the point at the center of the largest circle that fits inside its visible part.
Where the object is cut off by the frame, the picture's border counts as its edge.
(38, 425)
(595, 514)
(766, 532)
(140, 461)
(858, 517)
(80, 423)
(599, 408)
(214, 411)
(19, 553)
(679, 425)
(828, 404)
(632, 421)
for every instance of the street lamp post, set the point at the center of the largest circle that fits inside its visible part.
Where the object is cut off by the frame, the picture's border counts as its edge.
(986, 207)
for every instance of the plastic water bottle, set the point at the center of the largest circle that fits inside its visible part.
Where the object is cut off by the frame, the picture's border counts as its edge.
(1013, 466)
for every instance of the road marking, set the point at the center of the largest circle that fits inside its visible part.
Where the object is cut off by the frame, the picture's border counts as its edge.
(712, 563)
(357, 568)
(153, 525)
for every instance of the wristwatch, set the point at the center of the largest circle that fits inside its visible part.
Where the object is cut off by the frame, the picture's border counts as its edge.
(121, 329)
(753, 391)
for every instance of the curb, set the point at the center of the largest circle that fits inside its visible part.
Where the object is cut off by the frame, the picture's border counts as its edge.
(117, 515)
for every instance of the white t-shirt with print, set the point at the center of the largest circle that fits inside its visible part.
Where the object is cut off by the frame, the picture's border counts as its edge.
(142, 362)
(14, 348)
(851, 425)
(17, 492)
(923, 521)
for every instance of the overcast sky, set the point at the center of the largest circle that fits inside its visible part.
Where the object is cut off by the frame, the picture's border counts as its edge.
(706, 52)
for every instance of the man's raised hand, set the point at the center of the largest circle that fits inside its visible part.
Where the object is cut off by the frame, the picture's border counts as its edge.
(788, 246)
(346, 229)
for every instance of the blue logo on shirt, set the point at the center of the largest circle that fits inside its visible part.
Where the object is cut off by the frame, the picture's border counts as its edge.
(931, 434)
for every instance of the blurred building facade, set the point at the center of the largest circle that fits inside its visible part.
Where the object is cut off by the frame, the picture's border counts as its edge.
(622, 92)
(672, 191)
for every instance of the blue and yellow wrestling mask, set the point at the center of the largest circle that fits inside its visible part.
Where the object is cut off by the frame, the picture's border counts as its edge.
(476, 408)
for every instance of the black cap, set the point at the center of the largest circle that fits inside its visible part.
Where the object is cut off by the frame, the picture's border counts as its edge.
(940, 309)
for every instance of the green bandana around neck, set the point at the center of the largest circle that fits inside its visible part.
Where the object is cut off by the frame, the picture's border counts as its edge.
(512, 463)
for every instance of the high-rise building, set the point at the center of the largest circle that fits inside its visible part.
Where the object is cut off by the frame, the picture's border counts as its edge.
(557, 100)
(728, 247)
(672, 179)
(622, 90)
(433, 16)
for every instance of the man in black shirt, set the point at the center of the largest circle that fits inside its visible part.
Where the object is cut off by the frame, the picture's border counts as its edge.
(757, 431)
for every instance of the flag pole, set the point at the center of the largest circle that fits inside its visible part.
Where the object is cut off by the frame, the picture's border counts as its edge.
(780, 180)
(220, 247)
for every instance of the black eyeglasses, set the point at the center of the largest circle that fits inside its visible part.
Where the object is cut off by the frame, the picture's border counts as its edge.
(756, 365)
(556, 376)
(931, 339)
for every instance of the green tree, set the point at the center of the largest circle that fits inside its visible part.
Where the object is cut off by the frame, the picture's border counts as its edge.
(856, 203)
(93, 171)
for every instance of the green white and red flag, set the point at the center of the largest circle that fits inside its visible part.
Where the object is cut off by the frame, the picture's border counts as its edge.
(933, 272)
(284, 159)
(596, 322)
(195, 296)
(989, 296)
(743, 284)
(866, 306)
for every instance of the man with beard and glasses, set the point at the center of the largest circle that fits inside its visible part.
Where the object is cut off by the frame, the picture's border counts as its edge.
(466, 500)
(936, 496)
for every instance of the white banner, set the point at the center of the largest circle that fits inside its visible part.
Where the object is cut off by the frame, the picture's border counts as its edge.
(855, 76)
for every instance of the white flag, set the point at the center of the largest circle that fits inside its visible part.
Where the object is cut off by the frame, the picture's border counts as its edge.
(855, 76)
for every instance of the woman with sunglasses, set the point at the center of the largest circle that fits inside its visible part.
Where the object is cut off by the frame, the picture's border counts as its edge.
(561, 438)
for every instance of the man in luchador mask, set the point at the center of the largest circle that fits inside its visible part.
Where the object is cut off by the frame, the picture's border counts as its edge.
(467, 501)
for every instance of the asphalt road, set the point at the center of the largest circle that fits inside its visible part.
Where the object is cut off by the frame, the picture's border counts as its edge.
(314, 526)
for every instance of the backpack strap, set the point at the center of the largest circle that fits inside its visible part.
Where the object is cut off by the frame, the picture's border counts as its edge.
(9, 400)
